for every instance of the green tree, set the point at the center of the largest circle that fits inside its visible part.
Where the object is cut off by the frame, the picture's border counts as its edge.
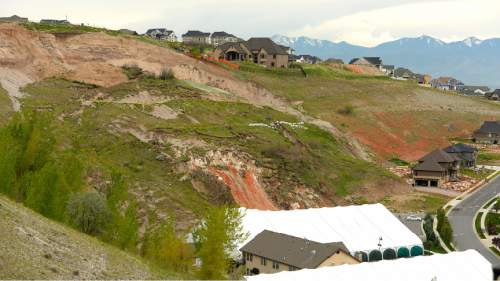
(167, 249)
(88, 212)
(497, 205)
(216, 239)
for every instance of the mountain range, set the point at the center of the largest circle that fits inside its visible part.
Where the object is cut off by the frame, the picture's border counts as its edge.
(473, 61)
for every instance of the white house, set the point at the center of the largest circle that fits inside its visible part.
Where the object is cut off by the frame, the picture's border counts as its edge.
(455, 266)
(370, 232)
(162, 34)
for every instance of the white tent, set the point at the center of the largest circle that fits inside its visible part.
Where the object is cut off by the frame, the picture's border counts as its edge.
(456, 266)
(358, 227)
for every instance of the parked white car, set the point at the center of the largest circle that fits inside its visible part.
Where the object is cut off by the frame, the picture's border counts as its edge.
(413, 218)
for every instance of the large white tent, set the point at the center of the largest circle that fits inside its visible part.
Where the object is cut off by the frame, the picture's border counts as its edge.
(456, 266)
(358, 227)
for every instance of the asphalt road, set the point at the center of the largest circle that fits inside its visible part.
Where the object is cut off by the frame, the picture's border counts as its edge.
(462, 220)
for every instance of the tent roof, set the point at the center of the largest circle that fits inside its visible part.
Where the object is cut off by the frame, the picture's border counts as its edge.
(456, 266)
(358, 227)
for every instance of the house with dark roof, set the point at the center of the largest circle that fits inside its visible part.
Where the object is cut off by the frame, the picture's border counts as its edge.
(495, 95)
(14, 18)
(220, 37)
(404, 73)
(467, 154)
(368, 61)
(436, 168)
(271, 252)
(195, 37)
(474, 90)
(162, 34)
(489, 133)
(261, 51)
(128, 31)
(308, 59)
(388, 69)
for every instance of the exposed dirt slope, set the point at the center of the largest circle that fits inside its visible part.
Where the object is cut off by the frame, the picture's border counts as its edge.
(33, 247)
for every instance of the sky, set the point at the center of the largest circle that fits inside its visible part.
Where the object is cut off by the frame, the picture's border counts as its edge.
(362, 22)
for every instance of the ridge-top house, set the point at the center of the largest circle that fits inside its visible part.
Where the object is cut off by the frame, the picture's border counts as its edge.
(196, 37)
(162, 34)
(220, 37)
(261, 51)
(307, 59)
(271, 252)
(436, 168)
(495, 95)
(54, 22)
(489, 133)
(447, 84)
(14, 18)
(475, 90)
(368, 61)
(369, 232)
(467, 154)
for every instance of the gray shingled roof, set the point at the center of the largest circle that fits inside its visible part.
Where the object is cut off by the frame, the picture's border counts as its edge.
(429, 165)
(490, 127)
(196, 33)
(439, 156)
(256, 44)
(222, 34)
(290, 250)
(237, 45)
(460, 148)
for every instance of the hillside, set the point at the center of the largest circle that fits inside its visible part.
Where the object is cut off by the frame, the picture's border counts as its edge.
(473, 61)
(212, 135)
(33, 247)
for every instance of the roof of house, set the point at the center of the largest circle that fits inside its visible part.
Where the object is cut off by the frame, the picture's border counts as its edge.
(389, 67)
(429, 165)
(162, 30)
(439, 156)
(222, 34)
(236, 45)
(371, 60)
(456, 266)
(291, 250)
(196, 33)
(460, 148)
(258, 43)
(490, 127)
(401, 72)
(495, 92)
(358, 227)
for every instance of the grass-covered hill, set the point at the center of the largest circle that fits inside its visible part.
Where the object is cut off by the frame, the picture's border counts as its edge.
(34, 247)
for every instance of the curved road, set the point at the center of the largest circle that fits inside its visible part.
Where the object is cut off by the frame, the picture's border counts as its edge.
(462, 220)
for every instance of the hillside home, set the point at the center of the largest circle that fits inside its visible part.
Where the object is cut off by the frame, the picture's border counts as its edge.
(447, 84)
(423, 79)
(403, 73)
(261, 51)
(195, 37)
(272, 252)
(489, 133)
(15, 19)
(388, 70)
(162, 34)
(288, 50)
(436, 168)
(475, 90)
(307, 59)
(466, 153)
(495, 95)
(52, 21)
(368, 61)
(221, 37)
(369, 232)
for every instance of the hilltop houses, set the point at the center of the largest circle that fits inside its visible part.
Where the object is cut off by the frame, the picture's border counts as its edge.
(475, 90)
(162, 34)
(489, 133)
(495, 95)
(375, 62)
(14, 19)
(196, 37)
(261, 51)
(447, 84)
(307, 59)
(54, 22)
(220, 37)
(466, 153)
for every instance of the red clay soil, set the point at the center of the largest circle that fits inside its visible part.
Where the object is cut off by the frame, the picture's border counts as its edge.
(246, 190)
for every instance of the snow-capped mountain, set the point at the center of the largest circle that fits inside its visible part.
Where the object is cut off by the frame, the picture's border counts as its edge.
(474, 61)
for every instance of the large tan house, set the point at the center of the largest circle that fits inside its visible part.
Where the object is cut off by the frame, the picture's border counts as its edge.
(489, 133)
(261, 51)
(436, 168)
(272, 252)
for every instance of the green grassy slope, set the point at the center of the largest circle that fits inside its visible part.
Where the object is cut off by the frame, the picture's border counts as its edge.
(5, 106)
(33, 247)
(393, 118)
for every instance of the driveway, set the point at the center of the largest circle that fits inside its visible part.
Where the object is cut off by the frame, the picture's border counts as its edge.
(462, 220)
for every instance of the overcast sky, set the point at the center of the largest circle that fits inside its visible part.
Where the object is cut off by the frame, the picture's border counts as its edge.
(363, 22)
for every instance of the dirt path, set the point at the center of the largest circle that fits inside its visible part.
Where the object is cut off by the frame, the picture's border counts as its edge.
(12, 80)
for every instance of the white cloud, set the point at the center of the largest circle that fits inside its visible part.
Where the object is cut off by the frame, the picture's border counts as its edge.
(448, 20)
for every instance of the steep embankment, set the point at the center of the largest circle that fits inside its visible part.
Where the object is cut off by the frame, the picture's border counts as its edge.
(33, 247)
(393, 118)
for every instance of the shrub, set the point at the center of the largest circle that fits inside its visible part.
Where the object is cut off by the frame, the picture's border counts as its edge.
(88, 212)
(132, 71)
(346, 110)
(166, 74)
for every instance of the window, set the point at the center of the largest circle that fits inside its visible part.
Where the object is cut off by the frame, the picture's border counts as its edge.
(274, 56)
(263, 261)
(276, 265)
(262, 56)
(249, 257)
(291, 268)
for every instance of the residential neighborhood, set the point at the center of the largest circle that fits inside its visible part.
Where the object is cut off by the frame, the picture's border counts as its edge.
(259, 50)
